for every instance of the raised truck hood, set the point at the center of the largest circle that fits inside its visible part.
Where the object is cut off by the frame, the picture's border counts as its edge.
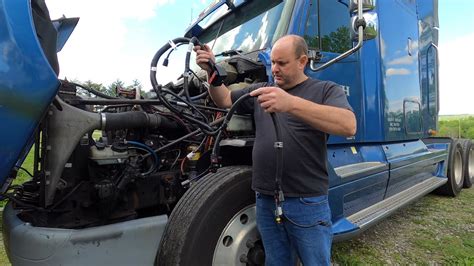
(29, 70)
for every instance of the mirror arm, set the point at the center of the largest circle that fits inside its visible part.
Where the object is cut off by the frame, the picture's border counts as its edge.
(360, 24)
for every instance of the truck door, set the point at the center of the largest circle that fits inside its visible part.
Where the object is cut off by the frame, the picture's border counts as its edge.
(401, 80)
(402, 90)
(326, 27)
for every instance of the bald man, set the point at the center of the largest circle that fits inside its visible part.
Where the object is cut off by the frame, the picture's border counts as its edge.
(308, 110)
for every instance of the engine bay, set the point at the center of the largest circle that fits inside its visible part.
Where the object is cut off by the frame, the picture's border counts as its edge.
(107, 159)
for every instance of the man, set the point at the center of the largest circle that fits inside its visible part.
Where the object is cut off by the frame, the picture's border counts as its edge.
(308, 110)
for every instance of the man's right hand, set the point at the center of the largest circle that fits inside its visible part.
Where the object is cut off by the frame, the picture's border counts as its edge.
(204, 55)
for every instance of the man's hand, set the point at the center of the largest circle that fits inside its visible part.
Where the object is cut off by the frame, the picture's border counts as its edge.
(204, 55)
(274, 99)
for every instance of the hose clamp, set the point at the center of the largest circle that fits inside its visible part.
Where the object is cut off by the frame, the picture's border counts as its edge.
(103, 120)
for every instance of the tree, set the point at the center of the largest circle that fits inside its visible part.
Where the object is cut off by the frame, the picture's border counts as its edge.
(338, 41)
(112, 88)
(136, 84)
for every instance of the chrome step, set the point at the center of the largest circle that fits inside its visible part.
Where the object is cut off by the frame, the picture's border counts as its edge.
(376, 212)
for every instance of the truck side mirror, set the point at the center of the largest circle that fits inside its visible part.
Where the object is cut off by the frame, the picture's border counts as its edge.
(371, 28)
(367, 5)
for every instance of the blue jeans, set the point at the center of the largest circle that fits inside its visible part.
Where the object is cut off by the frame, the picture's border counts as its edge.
(310, 239)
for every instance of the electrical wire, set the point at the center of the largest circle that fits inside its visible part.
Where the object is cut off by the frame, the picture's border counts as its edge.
(93, 91)
(31, 175)
(177, 158)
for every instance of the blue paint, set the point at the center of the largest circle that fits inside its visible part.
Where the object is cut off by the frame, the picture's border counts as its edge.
(64, 27)
(343, 226)
(27, 83)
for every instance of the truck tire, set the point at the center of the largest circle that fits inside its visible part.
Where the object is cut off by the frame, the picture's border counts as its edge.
(468, 160)
(214, 223)
(455, 171)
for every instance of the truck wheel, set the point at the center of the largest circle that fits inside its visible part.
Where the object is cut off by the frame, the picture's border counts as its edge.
(455, 171)
(468, 160)
(214, 223)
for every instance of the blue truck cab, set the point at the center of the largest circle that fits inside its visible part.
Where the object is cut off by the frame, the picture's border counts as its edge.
(148, 190)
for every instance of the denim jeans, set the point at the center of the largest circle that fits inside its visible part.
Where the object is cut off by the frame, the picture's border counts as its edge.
(310, 239)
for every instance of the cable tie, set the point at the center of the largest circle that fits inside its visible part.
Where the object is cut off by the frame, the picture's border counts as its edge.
(190, 47)
(172, 44)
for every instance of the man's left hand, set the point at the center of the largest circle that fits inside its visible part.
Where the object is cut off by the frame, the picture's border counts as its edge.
(273, 99)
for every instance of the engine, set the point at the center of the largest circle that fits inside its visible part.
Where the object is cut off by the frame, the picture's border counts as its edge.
(107, 159)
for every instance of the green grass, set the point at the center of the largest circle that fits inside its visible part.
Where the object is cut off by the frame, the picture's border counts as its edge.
(434, 230)
(22, 176)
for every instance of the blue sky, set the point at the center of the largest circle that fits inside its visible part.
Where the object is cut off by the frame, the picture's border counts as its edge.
(116, 39)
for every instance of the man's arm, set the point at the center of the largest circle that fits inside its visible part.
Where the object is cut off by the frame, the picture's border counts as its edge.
(219, 94)
(329, 119)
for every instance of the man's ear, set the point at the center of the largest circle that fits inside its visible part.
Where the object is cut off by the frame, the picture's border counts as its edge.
(303, 60)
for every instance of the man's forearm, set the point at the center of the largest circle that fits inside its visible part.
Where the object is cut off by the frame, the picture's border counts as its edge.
(221, 96)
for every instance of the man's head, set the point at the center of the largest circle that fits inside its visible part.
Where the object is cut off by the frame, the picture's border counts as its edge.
(289, 58)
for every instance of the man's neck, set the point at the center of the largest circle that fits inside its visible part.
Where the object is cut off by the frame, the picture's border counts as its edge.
(298, 81)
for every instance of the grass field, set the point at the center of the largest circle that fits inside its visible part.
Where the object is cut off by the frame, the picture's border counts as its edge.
(434, 230)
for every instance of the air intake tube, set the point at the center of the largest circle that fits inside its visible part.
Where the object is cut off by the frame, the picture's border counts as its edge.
(112, 121)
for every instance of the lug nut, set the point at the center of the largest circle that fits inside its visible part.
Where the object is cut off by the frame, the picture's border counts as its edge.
(250, 243)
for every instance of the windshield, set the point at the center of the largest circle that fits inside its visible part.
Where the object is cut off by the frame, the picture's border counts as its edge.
(254, 25)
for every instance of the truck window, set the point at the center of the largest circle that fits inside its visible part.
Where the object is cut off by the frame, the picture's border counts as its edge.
(329, 33)
(254, 26)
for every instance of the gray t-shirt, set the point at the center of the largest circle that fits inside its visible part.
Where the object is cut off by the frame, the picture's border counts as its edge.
(304, 148)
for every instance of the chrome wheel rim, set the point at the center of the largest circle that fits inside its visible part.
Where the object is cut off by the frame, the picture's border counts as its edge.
(239, 242)
(458, 167)
(470, 163)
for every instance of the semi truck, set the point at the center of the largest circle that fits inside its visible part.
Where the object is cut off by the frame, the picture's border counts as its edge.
(167, 179)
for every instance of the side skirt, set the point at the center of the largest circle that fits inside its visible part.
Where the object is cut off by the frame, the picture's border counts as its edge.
(373, 214)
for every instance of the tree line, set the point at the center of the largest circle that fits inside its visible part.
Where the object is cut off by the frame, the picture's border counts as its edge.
(110, 89)
(462, 127)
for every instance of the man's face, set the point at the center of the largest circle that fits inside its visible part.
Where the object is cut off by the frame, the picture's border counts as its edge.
(286, 66)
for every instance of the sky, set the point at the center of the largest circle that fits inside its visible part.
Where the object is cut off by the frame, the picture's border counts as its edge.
(116, 39)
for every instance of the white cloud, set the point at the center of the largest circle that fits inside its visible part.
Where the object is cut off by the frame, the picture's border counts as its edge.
(456, 89)
(97, 49)
(225, 42)
(397, 71)
(405, 60)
